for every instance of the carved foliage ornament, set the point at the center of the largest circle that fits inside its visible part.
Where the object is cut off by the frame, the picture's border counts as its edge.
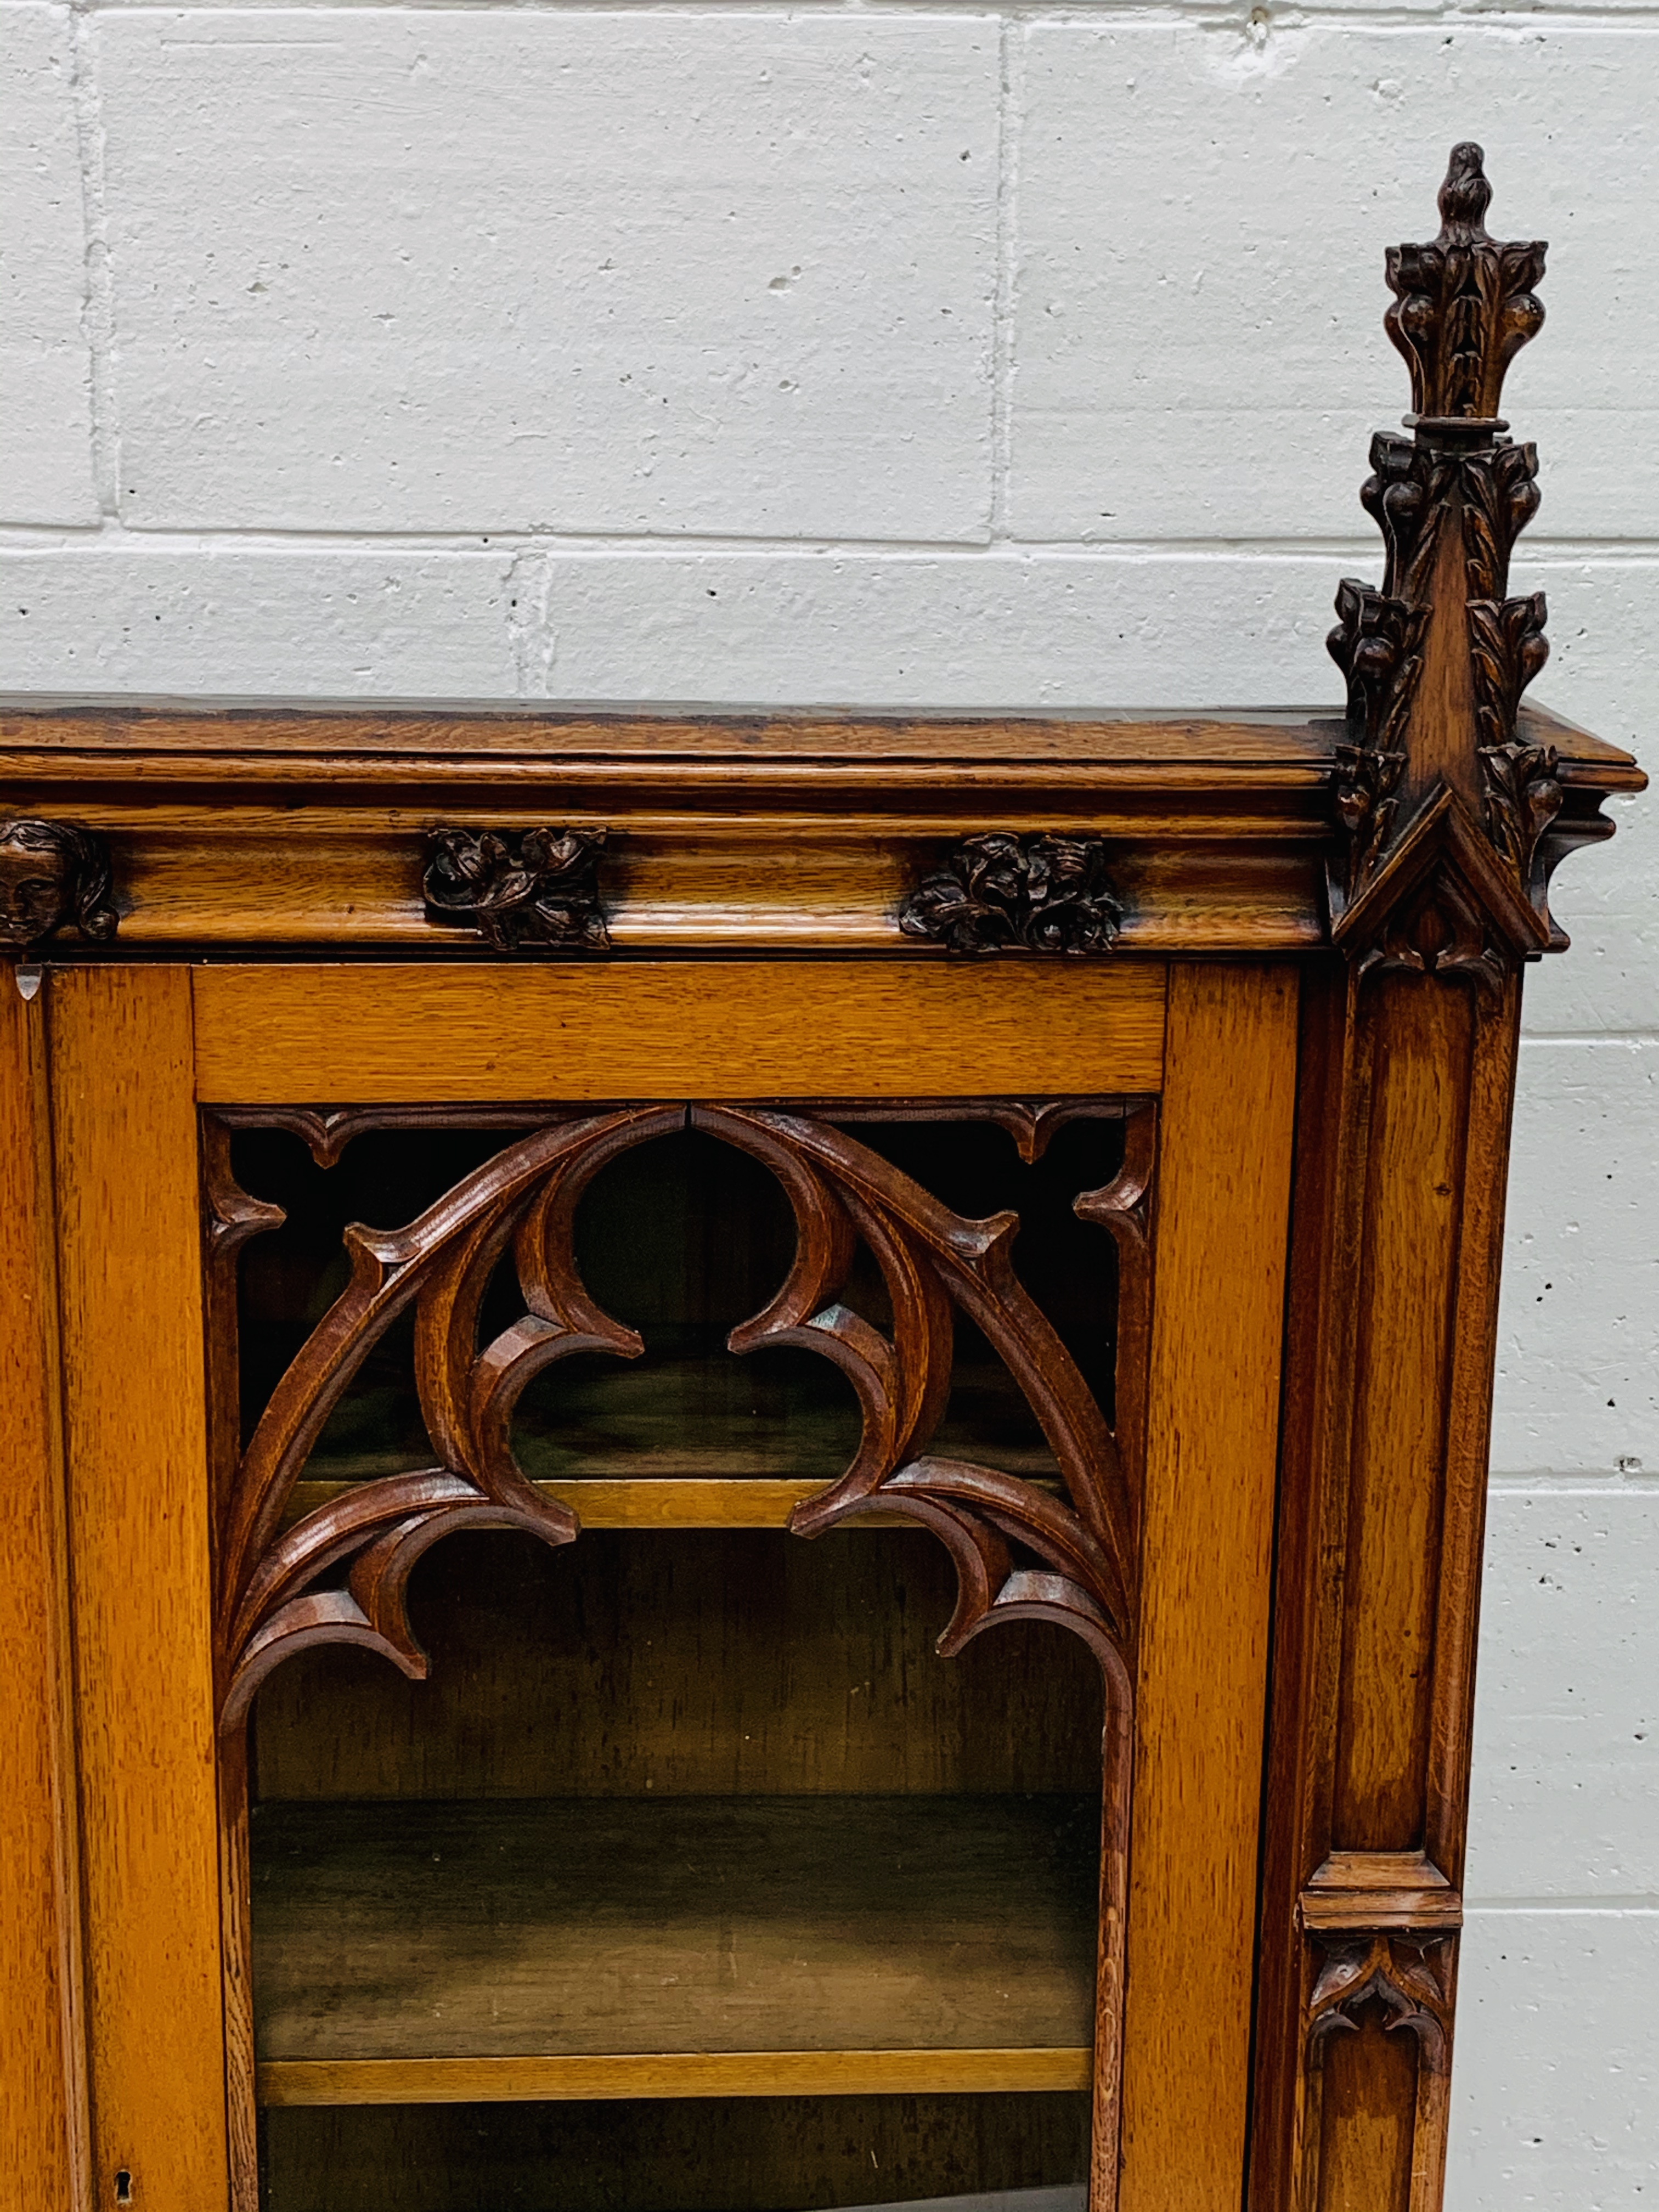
(52, 874)
(1004, 893)
(1463, 307)
(520, 887)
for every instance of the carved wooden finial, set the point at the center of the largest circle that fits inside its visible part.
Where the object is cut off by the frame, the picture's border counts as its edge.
(1464, 305)
(1446, 808)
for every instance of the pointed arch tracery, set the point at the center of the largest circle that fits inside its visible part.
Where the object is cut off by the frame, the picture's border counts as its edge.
(1020, 1552)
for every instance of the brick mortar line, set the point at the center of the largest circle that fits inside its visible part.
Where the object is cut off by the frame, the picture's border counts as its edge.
(1110, 14)
(98, 302)
(1010, 90)
(172, 543)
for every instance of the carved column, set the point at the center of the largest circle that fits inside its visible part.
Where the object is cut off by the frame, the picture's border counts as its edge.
(1451, 813)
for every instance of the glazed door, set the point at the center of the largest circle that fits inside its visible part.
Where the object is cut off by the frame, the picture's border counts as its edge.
(488, 1796)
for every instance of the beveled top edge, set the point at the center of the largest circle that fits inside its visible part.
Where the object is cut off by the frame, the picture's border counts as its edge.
(377, 738)
(828, 736)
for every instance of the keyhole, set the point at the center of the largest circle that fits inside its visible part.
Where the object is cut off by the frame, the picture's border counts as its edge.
(124, 2187)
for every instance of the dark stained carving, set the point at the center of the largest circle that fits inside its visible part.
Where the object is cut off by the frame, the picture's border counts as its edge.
(1523, 797)
(52, 874)
(1406, 1977)
(522, 1201)
(1451, 503)
(1439, 929)
(325, 1131)
(1463, 305)
(1003, 893)
(521, 888)
(1077, 1562)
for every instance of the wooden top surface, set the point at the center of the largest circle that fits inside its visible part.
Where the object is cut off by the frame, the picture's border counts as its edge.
(334, 733)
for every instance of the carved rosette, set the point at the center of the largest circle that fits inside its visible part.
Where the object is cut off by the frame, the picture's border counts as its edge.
(53, 875)
(999, 892)
(1463, 306)
(521, 888)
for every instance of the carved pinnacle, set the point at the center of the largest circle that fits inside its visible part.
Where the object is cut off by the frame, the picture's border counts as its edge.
(1463, 304)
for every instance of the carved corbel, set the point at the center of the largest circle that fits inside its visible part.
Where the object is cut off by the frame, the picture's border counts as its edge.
(1437, 660)
(1002, 893)
(1406, 1977)
(52, 874)
(523, 889)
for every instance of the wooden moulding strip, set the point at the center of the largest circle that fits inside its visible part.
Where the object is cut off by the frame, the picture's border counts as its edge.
(374, 1033)
(671, 2074)
(661, 1501)
(1212, 1431)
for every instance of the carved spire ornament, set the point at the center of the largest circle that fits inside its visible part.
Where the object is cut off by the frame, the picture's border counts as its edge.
(1451, 817)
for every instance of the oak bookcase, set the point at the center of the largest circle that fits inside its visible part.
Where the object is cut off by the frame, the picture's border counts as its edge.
(481, 1186)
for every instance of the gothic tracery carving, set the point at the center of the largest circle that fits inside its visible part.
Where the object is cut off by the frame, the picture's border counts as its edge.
(1406, 1977)
(1019, 1550)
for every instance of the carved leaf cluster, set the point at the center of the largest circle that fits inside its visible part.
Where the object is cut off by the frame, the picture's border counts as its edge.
(1406, 1977)
(1500, 497)
(1464, 304)
(529, 887)
(52, 875)
(999, 892)
(1019, 1552)
(1523, 797)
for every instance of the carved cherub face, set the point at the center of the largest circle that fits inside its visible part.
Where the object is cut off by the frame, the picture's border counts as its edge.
(36, 883)
(51, 874)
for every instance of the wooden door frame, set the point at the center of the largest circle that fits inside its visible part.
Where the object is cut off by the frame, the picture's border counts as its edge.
(135, 1048)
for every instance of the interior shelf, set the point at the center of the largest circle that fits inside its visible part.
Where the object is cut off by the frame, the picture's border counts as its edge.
(433, 1951)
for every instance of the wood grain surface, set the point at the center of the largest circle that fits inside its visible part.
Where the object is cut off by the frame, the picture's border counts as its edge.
(763, 2152)
(654, 1029)
(564, 1928)
(1222, 1225)
(687, 1663)
(42, 2057)
(885, 2072)
(129, 1244)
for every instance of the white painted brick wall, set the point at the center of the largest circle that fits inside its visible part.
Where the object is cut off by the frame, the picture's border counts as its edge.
(898, 353)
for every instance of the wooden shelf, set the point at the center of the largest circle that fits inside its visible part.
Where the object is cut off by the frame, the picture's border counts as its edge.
(410, 1952)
